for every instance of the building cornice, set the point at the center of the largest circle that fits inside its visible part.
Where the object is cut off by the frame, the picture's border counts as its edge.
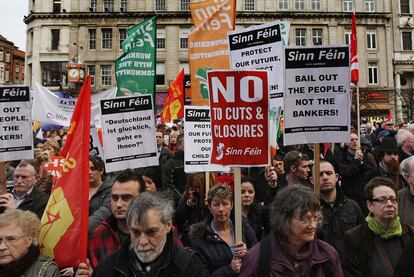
(186, 14)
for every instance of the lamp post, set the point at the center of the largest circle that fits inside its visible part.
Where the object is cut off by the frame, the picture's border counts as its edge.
(78, 60)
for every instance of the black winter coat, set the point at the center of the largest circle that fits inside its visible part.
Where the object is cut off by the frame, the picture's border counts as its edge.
(215, 252)
(360, 247)
(118, 264)
(337, 220)
(35, 202)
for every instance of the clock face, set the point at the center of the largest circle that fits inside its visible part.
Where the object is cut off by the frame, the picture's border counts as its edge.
(82, 73)
(73, 73)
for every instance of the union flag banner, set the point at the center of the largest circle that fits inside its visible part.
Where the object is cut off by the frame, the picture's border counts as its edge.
(174, 102)
(64, 224)
(208, 44)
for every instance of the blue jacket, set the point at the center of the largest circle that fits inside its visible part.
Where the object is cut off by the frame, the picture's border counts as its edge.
(215, 252)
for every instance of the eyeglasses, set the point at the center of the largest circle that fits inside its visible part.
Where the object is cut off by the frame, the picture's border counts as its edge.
(16, 177)
(10, 240)
(384, 200)
(308, 220)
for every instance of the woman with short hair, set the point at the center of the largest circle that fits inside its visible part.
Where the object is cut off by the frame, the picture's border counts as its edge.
(292, 249)
(215, 238)
(19, 250)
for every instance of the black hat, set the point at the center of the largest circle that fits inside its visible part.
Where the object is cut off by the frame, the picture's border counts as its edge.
(388, 145)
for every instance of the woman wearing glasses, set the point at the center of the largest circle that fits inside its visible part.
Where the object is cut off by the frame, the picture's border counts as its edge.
(19, 250)
(373, 247)
(292, 249)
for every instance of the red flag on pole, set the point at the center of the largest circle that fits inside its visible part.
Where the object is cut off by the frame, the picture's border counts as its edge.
(174, 102)
(64, 224)
(354, 52)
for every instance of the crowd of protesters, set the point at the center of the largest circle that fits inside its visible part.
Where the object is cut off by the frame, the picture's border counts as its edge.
(161, 221)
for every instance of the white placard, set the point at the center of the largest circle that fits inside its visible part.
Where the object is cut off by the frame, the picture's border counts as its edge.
(16, 138)
(95, 147)
(128, 132)
(197, 137)
(317, 97)
(261, 47)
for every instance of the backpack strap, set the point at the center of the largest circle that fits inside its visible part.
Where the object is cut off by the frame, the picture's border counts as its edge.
(265, 257)
(182, 260)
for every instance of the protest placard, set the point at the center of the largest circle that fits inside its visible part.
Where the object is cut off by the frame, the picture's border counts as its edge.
(128, 132)
(16, 139)
(261, 47)
(197, 137)
(239, 109)
(317, 101)
(95, 147)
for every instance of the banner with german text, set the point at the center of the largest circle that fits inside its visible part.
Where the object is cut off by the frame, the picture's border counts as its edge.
(64, 224)
(208, 45)
(135, 69)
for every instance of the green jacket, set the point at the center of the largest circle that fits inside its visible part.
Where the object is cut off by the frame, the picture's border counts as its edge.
(43, 267)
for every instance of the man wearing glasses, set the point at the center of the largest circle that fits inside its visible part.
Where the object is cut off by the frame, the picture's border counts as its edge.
(24, 195)
(373, 247)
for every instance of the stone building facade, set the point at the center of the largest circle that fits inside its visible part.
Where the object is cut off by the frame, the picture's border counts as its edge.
(90, 31)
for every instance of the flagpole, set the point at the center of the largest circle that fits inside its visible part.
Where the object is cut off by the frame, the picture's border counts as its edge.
(358, 117)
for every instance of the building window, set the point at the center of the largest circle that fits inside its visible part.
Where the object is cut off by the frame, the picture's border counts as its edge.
(184, 5)
(17, 68)
(54, 74)
(106, 75)
(55, 39)
(317, 36)
(347, 5)
(108, 5)
(316, 5)
(160, 74)
(92, 39)
(405, 6)
(106, 38)
(92, 74)
(184, 37)
(7, 57)
(7, 79)
(57, 4)
(369, 6)
(300, 37)
(283, 5)
(124, 5)
(407, 42)
(299, 5)
(160, 5)
(1, 56)
(348, 38)
(372, 74)
(371, 40)
(249, 5)
(122, 36)
(94, 6)
(160, 38)
(1, 73)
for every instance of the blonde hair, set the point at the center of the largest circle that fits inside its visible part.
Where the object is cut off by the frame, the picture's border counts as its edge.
(174, 133)
(27, 221)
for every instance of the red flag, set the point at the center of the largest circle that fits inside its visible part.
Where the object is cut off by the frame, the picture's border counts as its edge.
(174, 102)
(64, 224)
(354, 52)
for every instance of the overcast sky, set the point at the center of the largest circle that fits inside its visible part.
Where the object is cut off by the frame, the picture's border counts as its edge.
(12, 26)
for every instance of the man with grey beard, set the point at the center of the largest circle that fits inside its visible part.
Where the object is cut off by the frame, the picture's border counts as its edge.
(389, 165)
(151, 249)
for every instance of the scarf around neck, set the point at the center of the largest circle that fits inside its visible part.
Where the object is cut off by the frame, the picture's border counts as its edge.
(394, 230)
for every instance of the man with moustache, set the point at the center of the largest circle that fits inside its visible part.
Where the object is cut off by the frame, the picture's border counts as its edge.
(340, 213)
(389, 165)
(109, 236)
(150, 250)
